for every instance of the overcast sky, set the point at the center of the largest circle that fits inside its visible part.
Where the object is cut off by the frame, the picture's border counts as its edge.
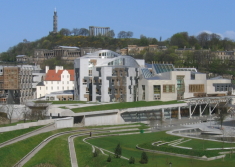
(32, 19)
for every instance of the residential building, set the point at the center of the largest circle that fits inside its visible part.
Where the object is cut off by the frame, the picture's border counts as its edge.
(134, 49)
(66, 53)
(56, 80)
(17, 83)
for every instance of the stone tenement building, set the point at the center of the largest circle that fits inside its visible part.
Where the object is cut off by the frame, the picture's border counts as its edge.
(134, 49)
(67, 53)
(17, 83)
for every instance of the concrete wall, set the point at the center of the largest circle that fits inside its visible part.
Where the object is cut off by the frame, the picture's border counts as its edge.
(211, 89)
(64, 122)
(101, 119)
(26, 125)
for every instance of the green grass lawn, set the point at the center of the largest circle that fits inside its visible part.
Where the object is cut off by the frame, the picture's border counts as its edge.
(122, 105)
(129, 142)
(56, 152)
(61, 102)
(11, 154)
(15, 123)
(4, 136)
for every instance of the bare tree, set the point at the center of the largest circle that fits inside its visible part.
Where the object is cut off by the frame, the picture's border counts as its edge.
(11, 110)
(38, 111)
(75, 31)
(222, 114)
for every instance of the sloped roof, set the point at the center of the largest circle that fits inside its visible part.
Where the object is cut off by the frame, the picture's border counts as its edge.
(51, 75)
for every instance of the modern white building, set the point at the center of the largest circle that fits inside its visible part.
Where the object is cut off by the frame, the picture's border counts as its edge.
(164, 82)
(106, 76)
(55, 81)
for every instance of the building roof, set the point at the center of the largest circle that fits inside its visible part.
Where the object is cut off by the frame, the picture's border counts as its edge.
(51, 75)
(40, 84)
(20, 56)
(69, 47)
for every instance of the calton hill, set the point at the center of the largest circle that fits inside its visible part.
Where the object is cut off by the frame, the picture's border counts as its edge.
(209, 53)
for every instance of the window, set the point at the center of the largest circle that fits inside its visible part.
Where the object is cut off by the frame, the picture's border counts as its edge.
(67, 76)
(46, 87)
(51, 88)
(40, 88)
(62, 82)
(67, 88)
(196, 88)
(58, 82)
(168, 88)
(63, 88)
(57, 87)
(143, 95)
(67, 82)
(51, 82)
(156, 89)
(109, 91)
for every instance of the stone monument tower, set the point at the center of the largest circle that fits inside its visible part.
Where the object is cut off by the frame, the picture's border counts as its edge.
(55, 22)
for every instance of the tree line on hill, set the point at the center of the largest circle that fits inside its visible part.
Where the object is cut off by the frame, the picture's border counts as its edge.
(80, 38)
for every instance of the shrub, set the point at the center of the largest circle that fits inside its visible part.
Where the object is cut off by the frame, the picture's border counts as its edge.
(132, 160)
(118, 151)
(95, 153)
(144, 158)
(109, 158)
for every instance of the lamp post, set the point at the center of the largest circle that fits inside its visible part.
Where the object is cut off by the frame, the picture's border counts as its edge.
(170, 164)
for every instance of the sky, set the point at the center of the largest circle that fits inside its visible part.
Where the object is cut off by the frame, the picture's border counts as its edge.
(32, 19)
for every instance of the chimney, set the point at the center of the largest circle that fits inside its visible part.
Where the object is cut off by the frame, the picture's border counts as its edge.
(58, 68)
(47, 68)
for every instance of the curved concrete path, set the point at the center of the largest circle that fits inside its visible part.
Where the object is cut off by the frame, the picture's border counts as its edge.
(41, 145)
(48, 128)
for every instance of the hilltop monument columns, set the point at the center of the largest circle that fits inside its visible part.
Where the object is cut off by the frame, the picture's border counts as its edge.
(95, 31)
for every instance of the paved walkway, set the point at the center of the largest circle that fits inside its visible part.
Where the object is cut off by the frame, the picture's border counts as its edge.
(27, 135)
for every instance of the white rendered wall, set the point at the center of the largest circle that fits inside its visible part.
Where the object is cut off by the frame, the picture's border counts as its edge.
(40, 91)
(211, 89)
(64, 122)
(101, 120)
(55, 86)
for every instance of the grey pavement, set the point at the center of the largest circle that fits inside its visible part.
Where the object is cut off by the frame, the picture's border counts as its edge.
(27, 135)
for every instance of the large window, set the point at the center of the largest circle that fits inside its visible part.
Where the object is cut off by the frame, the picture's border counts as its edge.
(168, 88)
(196, 88)
(156, 89)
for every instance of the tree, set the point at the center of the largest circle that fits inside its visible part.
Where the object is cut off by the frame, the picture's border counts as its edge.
(118, 151)
(144, 158)
(222, 114)
(65, 32)
(109, 158)
(122, 34)
(111, 34)
(75, 31)
(132, 160)
(83, 31)
(95, 153)
(180, 39)
(203, 39)
(9, 110)
(129, 34)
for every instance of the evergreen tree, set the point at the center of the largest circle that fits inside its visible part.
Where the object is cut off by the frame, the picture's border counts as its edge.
(95, 153)
(132, 160)
(144, 158)
(118, 151)
(109, 158)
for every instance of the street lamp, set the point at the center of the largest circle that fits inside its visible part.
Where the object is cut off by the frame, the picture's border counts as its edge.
(170, 164)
